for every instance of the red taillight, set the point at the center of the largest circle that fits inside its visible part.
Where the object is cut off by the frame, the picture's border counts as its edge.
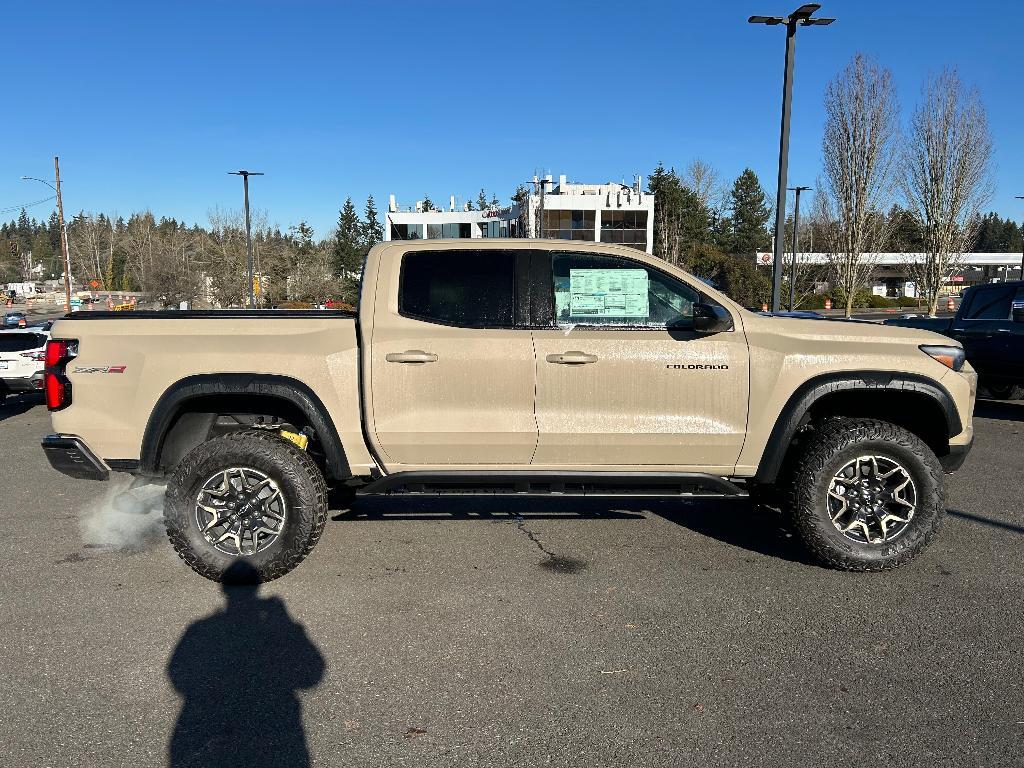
(56, 394)
(56, 352)
(56, 384)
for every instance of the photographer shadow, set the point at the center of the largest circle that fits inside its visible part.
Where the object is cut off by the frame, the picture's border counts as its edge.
(239, 670)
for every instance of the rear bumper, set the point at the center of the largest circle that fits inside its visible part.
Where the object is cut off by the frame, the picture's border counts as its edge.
(69, 454)
(953, 460)
(33, 383)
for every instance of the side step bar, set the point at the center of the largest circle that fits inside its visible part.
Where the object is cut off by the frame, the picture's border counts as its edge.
(546, 482)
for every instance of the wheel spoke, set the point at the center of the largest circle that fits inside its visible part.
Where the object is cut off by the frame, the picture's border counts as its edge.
(861, 495)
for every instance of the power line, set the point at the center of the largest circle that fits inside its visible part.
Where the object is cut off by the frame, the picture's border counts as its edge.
(27, 205)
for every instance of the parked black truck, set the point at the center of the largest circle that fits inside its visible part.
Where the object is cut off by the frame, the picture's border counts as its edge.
(990, 325)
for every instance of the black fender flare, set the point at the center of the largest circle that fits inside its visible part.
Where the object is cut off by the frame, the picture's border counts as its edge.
(817, 387)
(282, 387)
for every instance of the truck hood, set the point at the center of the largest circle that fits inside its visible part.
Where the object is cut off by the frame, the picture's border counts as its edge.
(842, 330)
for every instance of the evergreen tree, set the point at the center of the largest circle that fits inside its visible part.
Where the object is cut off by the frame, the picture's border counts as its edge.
(428, 204)
(494, 201)
(681, 219)
(301, 236)
(748, 230)
(373, 231)
(348, 248)
(521, 199)
(905, 232)
(481, 201)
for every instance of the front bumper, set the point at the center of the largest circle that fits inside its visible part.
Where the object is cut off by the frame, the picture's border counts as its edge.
(69, 454)
(33, 383)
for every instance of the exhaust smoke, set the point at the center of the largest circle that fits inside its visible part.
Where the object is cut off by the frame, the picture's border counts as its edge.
(127, 516)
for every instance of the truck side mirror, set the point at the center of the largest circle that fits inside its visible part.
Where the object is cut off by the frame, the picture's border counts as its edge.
(1018, 313)
(711, 318)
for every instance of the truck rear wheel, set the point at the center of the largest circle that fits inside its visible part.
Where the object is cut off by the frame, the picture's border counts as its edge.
(867, 495)
(249, 495)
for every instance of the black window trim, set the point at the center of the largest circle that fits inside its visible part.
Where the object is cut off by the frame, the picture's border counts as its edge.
(518, 295)
(702, 298)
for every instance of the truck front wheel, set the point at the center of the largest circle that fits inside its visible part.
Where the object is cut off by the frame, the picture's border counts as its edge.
(867, 495)
(248, 495)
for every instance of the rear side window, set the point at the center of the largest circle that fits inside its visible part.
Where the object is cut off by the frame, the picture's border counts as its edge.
(468, 289)
(991, 303)
(21, 342)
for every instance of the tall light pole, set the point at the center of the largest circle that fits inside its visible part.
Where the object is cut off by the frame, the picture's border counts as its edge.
(1021, 197)
(63, 232)
(800, 17)
(796, 228)
(248, 232)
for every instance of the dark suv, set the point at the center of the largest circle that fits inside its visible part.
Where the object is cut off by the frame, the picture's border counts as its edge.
(990, 325)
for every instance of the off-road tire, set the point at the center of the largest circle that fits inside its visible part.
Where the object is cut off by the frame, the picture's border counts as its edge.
(836, 442)
(296, 474)
(1000, 391)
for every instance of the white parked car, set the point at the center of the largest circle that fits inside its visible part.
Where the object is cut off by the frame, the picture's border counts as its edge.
(22, 359)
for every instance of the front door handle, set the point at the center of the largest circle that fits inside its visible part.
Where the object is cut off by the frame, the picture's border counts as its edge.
(411, 356)
(572, 358)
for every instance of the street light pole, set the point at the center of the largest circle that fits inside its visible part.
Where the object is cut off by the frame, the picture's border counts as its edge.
(65, 258)
(248, 233)
(796, 228)
(800, 17)
(63, 238)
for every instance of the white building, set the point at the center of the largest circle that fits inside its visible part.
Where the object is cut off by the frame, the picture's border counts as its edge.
(413, 223)
(607, 213)
(892, 274)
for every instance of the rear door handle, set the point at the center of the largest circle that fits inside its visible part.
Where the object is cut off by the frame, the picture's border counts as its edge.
(411, 356)
(572, 358)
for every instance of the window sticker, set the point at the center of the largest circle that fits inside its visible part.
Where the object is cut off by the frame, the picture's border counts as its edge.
(608, 293)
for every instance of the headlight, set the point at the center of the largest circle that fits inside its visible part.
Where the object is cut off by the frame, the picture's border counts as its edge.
(949, 356)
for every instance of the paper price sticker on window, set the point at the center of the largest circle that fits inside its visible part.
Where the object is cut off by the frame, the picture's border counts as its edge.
(608, 293)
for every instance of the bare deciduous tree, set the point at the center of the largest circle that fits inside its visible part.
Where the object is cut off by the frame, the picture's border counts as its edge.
(946, 177)
(858, 154)
(705, 182)
(313, 279)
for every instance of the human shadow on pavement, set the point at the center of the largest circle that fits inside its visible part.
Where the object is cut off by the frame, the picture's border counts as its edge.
(15, 405)
(738, 522)
(238, 671)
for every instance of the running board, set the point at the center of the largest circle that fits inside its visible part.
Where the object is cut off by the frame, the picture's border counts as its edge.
(548, 482)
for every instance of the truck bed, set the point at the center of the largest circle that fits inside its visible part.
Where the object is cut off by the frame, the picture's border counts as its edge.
(128, 361)
(173, 314)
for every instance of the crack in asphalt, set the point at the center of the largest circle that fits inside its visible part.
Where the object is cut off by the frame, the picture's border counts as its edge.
(554, 561)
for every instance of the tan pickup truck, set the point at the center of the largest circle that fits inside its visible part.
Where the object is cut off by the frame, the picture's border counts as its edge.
(518, 366)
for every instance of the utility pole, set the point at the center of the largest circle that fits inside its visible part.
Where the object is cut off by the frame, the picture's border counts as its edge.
(796, 228)
(800, 17)
(248, 233)
(63, 238)
(1021, 197)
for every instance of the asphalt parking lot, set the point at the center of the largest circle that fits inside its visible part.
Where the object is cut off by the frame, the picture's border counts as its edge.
(511, 632)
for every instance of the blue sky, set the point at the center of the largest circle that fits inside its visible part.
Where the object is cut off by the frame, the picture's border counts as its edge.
(150, 104)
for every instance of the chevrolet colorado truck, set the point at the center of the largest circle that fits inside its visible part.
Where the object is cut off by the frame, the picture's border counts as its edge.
(990, 326)
(511, 366)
